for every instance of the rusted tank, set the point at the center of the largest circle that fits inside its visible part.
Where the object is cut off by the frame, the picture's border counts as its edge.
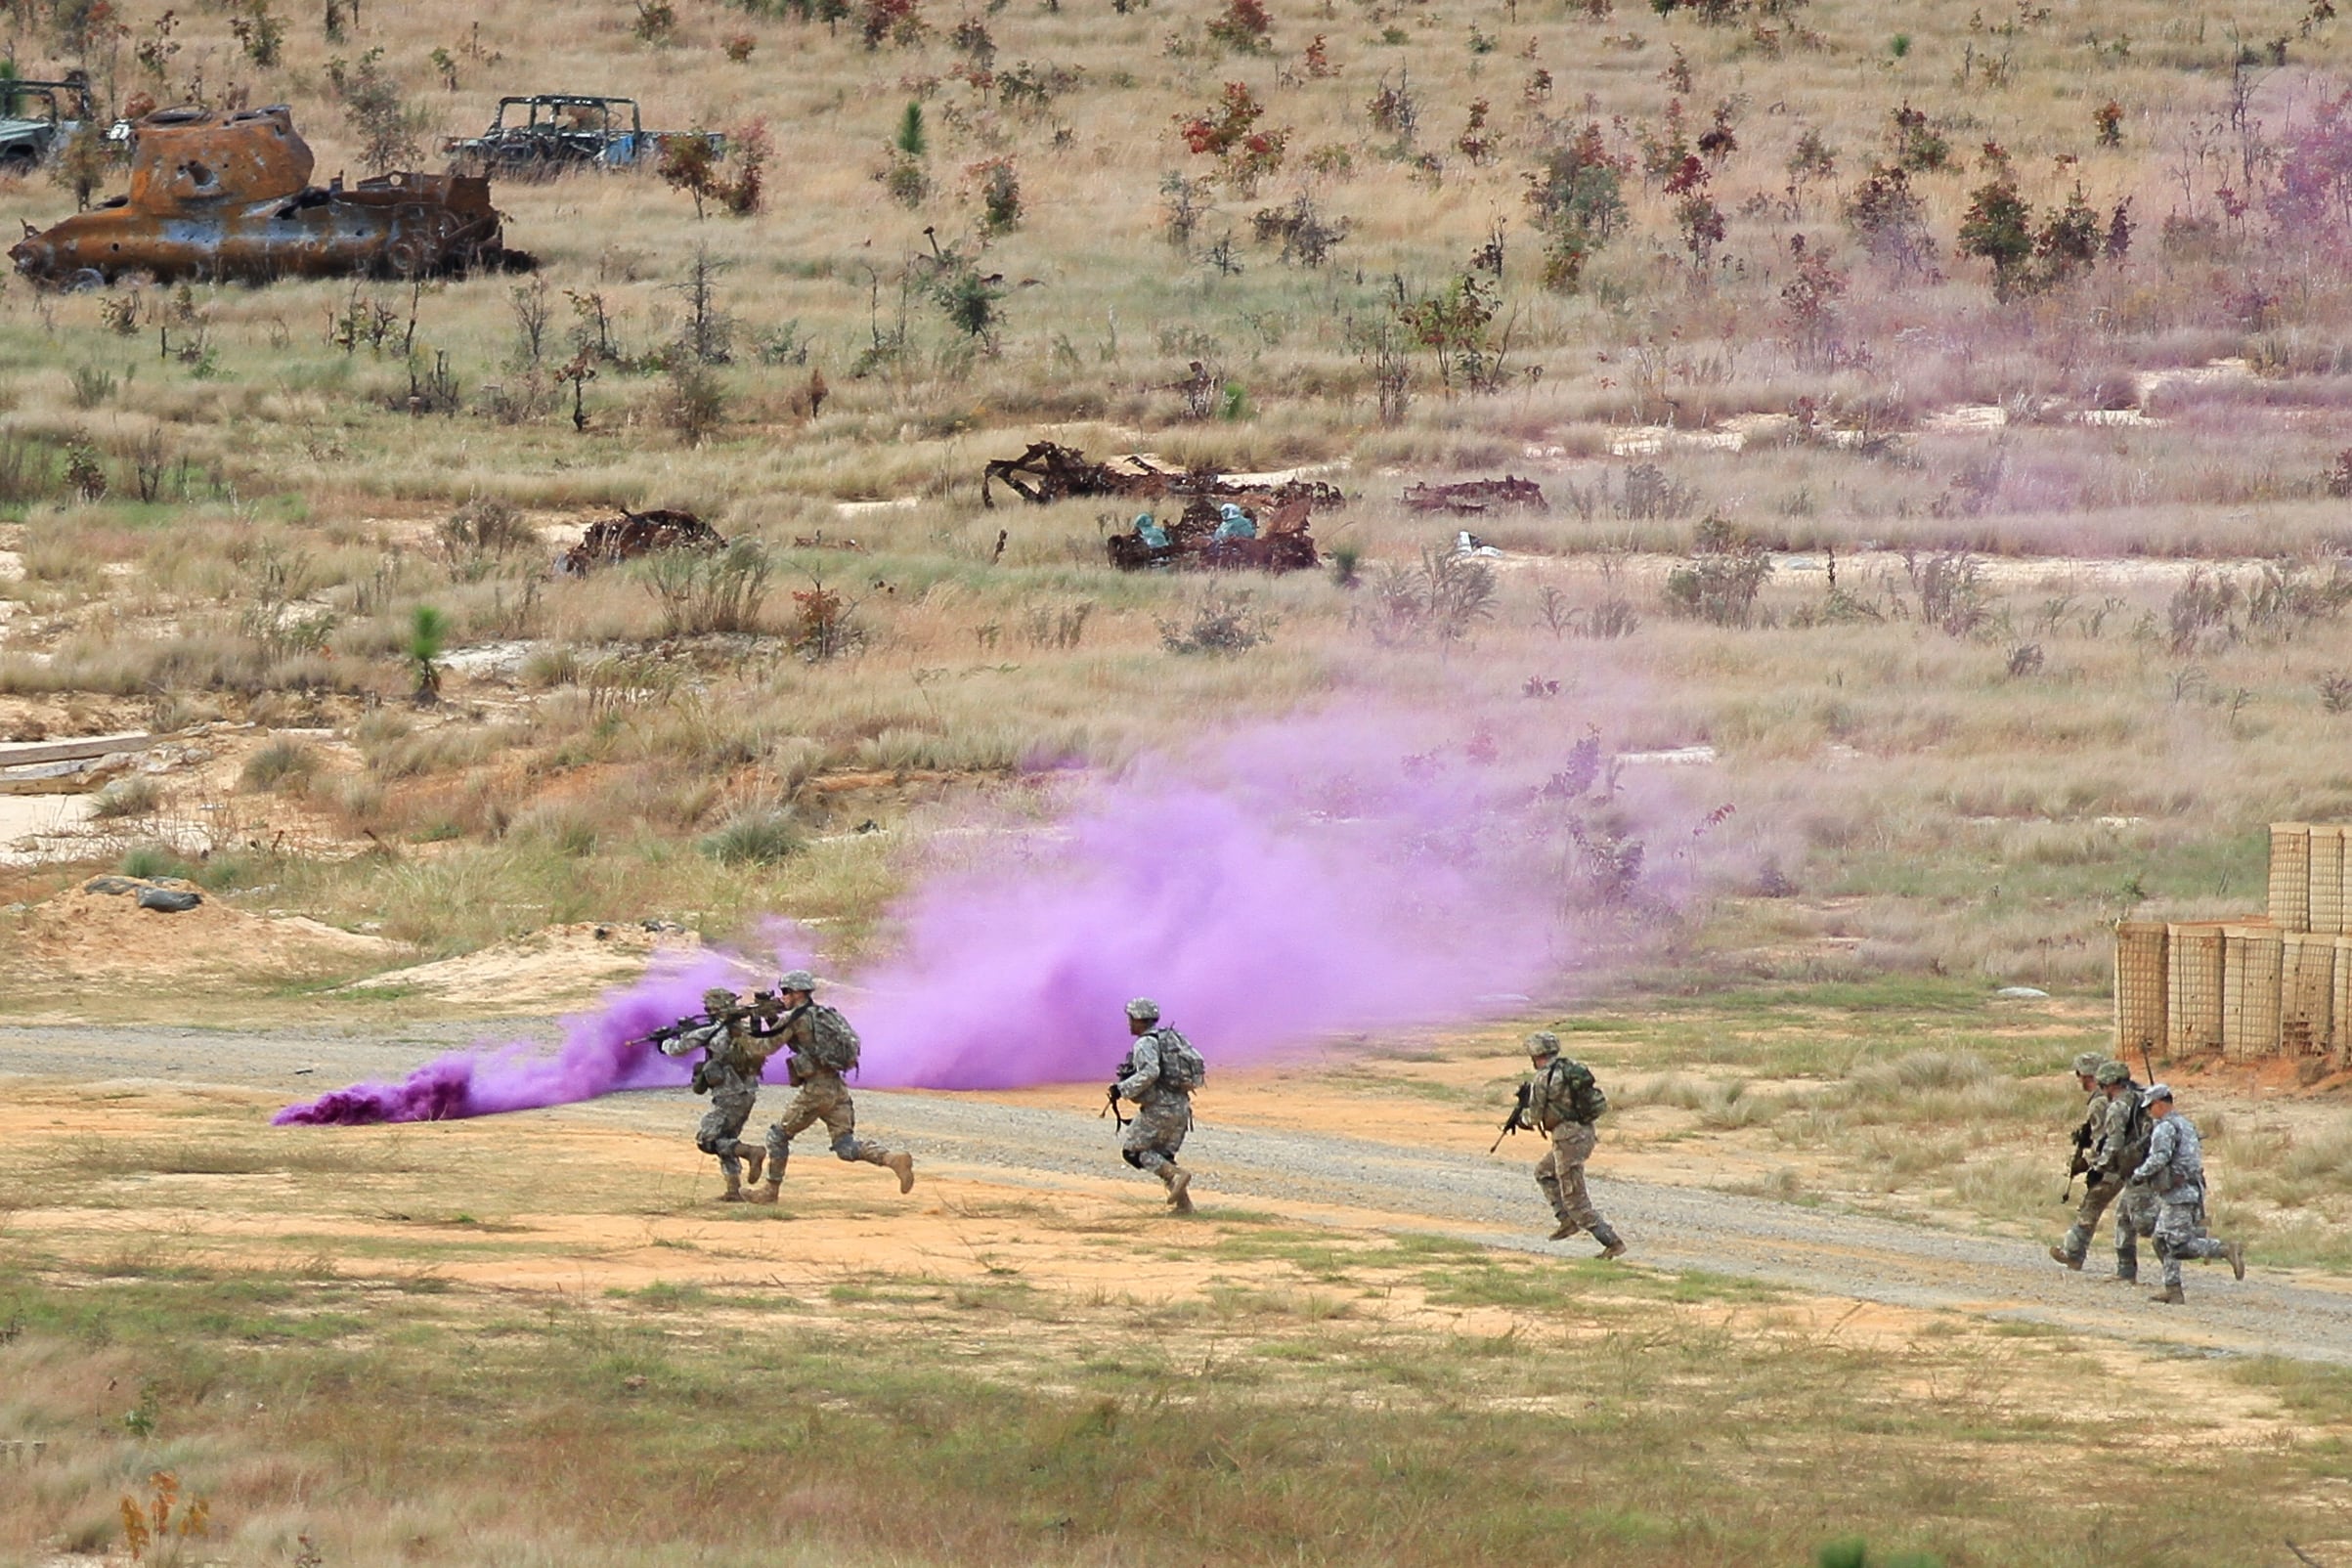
(229, 196)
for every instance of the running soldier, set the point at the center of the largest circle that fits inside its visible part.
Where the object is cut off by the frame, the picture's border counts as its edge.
(729, 1073)
(822, 1048)
(1564, 1101)
(2120, 1149)
(2118, 1142)
(2175, 1170)
(1159, 1074)
(2096, 1193)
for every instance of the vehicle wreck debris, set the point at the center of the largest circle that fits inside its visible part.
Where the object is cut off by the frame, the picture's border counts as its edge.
(542, 135)
(227, 196)
(610, 540)
(1049, 472)
(1213, 536)
(1475, 497)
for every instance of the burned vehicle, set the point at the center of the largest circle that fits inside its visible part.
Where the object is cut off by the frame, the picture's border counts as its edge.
(1214, 536)
(36, 122)
(227, 196)
(542, 135)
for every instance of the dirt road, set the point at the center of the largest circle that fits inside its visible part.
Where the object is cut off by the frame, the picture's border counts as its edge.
(1317, 1178)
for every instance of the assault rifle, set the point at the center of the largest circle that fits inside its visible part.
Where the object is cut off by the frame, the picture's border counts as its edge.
(765, 1012)
(1515, 1121)
(1110, 1097)
(2081, 1160)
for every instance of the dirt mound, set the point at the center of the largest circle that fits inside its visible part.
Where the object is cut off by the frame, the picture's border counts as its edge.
(557, 966)
(82, 935)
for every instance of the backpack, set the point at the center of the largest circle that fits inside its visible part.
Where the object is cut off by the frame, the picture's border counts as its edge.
(832, 1043)
(1180, 1065)
(1586, 1102)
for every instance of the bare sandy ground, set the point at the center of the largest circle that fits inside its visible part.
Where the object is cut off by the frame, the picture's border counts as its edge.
(1017, 1177)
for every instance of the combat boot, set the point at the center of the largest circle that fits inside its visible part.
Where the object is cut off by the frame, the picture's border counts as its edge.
(754, 1155)
(1612, 1245)
(2059, 1254)
(2235, 1251)
(734, 1192)
(904, 1164)
(2123, 1276)
(2170, 1296)
(768, 1190)
(1180, 1191)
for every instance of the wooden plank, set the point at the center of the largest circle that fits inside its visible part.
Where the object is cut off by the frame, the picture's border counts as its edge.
(68, 751)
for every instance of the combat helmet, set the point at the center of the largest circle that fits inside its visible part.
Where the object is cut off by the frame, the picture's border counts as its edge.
(1143, 1010)
(795, 980)
(2088, 1063)
(1543, 1043)
(717, 999)
(2111, 1073)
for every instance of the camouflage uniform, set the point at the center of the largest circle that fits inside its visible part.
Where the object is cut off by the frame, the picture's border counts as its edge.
(822, 1096)
(729, 1073)
(2122, 1143)
(2107, 1163)
(1552, 1108)
(1163, 1111)
(2175, 1172)
(2096, 1194)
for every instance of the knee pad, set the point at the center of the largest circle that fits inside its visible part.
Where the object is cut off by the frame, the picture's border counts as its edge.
(846, 1145)
(1132, 1158)
(712, 1146)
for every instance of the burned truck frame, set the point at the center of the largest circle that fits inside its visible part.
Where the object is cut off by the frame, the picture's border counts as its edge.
(227, 196)
(538, 135)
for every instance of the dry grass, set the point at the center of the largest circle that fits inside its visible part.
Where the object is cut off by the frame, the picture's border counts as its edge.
(359, 1353)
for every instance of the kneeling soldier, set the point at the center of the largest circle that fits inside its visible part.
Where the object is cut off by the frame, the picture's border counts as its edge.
(823, 1047)
(1564, 1101)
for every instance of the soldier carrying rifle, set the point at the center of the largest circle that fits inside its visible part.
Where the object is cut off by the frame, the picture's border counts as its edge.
(1159, 1072)
(729, 1034)
(1561, 1101)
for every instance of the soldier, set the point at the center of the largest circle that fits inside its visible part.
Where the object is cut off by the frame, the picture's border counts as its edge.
(2175, 1170)
(729, 1073)
(1564, 1101)
(2120, 1149)
(2070, 1250)
(1159, 1074)
(2102, 1183)
(823, 1047)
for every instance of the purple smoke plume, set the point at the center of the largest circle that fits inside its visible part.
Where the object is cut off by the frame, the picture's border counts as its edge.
(1297, 881)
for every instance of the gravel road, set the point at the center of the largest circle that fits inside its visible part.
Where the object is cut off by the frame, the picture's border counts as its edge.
(1323, 1179)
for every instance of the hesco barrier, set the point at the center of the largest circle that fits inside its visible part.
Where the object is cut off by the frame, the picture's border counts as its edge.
(2327, 899)
(2306, 993)
(2142, 1004)
(2252, 988)
(2339, 1037)
(2291, 875)
(2192, 987)
(2249, 991)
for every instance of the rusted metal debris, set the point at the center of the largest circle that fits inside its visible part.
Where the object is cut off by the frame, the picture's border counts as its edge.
(610, 540)
(1475, 497)
(542, 135)
(229, 196)
(1048, 472)
(1282, 542)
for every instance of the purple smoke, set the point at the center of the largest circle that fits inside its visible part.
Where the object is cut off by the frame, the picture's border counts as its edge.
(602, 1052)
(1323, 876)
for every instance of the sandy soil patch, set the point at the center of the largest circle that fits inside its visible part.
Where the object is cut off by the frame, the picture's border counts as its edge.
(79, 936)
(557, 966)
